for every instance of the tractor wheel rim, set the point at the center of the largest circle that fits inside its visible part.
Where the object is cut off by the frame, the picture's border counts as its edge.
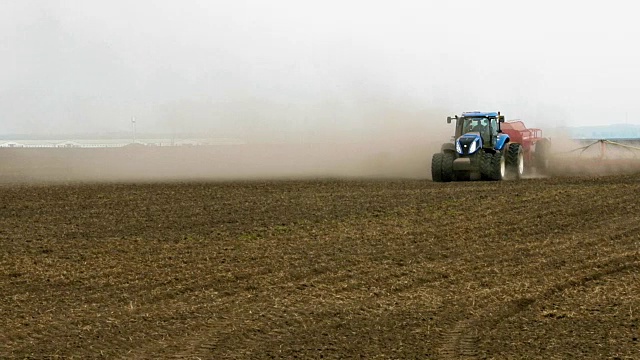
(502, 167)
(520, 163)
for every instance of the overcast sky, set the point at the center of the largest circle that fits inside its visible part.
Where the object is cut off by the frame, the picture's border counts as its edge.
(286, 65)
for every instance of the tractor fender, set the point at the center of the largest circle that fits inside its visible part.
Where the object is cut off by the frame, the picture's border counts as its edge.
(448, 147)
(502, 140)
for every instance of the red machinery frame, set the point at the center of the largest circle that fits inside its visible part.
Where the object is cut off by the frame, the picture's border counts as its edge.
(527, 137)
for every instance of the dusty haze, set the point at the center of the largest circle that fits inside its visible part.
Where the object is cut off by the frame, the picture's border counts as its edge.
(400, 148)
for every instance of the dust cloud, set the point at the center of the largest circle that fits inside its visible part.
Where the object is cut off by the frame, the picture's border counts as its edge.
(570, 157)
(394, 140)
(589, 157)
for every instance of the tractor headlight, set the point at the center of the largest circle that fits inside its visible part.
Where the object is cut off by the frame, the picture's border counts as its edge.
(459, 147)
(473, 147)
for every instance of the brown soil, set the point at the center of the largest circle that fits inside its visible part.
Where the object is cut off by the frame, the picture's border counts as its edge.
(533, 269)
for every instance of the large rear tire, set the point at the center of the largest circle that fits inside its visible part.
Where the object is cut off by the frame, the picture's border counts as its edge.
(436, 167)
(515, 161)
(498, 166)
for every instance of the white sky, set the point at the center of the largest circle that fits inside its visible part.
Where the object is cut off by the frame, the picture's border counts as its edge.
(89, 65)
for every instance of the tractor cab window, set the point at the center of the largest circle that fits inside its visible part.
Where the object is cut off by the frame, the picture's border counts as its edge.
(479, 125)
(486, 127)
(495, 126)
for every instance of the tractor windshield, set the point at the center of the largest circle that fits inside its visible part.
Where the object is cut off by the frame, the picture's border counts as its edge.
(475, 125)
(487, 127)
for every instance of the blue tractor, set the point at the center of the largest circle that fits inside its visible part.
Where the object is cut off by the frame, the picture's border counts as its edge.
(480, 151)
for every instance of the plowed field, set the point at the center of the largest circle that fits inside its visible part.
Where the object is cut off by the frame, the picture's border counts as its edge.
(533, 269)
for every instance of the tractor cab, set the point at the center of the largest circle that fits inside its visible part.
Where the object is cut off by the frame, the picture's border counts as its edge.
(475, 130)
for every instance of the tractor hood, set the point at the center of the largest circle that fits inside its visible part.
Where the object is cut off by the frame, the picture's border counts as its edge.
(469, 143)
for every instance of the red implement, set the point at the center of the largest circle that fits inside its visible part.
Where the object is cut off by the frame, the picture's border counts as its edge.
(528, 138)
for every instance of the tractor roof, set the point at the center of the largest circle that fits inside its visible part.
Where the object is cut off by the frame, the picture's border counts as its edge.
(479, 114)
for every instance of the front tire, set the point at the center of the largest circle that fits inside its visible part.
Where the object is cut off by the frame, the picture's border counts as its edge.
(447, 166)
(498, 166)
(436, 167)
(515, 161)
(485, 165)
(442, 167)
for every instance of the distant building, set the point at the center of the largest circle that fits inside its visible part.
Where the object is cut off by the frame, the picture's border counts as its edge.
(11, 144)
(68, 144)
